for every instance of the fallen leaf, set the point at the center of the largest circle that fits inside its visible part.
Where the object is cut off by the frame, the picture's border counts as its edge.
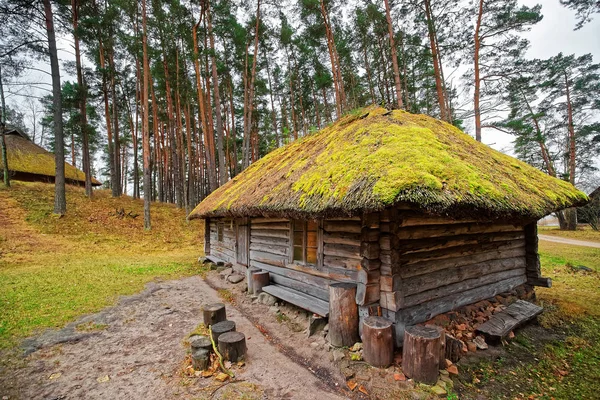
(362, 389)
(227, 364)
(399, 376)
(453, 369)
(207, 374)
(103, 379)
(352, 385)
(55, 376)
(222, 377)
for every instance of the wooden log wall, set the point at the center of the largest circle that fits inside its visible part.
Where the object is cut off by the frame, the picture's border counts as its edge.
(534, 273)
(431, 265)
(223, 250)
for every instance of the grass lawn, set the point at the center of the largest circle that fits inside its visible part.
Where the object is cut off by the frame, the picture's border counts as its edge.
(53, 270)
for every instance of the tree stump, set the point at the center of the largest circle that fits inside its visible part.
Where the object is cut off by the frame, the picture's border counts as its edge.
(214, 313)
(343, 314)
(220, 328)
(200, 342)
(378, 341)
(249, 272)
(421, 353)
(454, 348)
(200, 359)
(232, 346)
(260, 280)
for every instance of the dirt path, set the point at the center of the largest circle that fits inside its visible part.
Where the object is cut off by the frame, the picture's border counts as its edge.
(141, 352)
(573, 242)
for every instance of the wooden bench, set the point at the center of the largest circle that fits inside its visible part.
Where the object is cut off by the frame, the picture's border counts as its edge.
(500, 324)
(302, 300)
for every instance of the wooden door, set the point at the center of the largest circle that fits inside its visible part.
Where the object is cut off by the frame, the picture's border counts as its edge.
(242, 243)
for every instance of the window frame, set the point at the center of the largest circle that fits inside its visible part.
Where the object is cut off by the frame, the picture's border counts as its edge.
(319, 244)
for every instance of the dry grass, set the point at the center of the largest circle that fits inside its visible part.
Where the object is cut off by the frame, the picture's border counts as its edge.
(53, 270)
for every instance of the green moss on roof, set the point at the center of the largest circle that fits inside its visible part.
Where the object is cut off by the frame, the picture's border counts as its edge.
(362, 164)
(25, 156)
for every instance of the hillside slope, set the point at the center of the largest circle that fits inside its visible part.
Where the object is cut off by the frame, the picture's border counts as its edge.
(55, 269)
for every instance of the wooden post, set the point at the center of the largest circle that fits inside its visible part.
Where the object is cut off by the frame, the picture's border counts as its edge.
(249, 272)
(421, 353)
(214, 313)
(200, 342)
(453, 351)
(343, 314)
(200, 359)
(220, 328)
(442, 347)
(232, 346)
(260, 280)
(378, 341)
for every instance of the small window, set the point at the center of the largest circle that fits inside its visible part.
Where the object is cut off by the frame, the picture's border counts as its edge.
(220, 228)
(305, 242)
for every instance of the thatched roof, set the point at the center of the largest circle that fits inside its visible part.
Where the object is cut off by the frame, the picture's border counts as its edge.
(369, 162)
(27, 159)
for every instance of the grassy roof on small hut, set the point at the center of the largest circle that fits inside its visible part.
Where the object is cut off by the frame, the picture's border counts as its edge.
(26, 157)
(373, 159)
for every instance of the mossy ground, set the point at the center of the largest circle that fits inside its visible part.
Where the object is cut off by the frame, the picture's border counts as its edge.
(560, 359)
(53, 270)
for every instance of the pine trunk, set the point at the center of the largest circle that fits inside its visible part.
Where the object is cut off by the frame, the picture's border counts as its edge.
(436, 66)
(146, 125)
(394, 54)
(477, 89)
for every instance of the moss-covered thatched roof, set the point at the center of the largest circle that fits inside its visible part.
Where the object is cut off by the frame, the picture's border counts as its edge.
(366, 163)
(26, 157)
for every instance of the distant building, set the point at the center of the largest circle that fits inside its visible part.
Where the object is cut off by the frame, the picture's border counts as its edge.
(29, 162)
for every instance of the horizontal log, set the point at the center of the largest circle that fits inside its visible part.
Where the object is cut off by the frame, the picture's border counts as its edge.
(370, 220)
(390, 283)
(367, 294)
(411, 246)
(386, 269)
(539, 281)
(370, 250)
(369, 235)
(304, 287)
(272, 225)
(223, 249)
(341, 262)
(422, 232)
(408, 218)
(357, 218)
(392, 301)
(267, 220)
(459, 251)
(426, 267)
(270, 240)
(272, 249)
(269, 258)
(352, 239)
(342, 250)
(221, 256)
(342, 226)
(316, 281)
(461, 286)
(370, 264)
(269, 233)
(447, 276)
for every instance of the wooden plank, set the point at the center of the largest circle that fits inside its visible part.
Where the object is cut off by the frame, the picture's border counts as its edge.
(342, 226)
(352, 239)
(341, 262)
(272, 249)
(422, 232)
(409, 246)
(269, 240)
(367, 294)
(269, 258)
(269, 233)
(516, 314)
(299, 299)
(335, 274)
(317, 281)
(448, 276)
(408, 218)
(438, 292)
(272, 225)
(390, 283)
(392, 301)
(267, 220)
(300, 286)
(426, 267)
(342, 250)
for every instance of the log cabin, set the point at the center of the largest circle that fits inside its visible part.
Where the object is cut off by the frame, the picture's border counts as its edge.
(31, 163)
(416, 213)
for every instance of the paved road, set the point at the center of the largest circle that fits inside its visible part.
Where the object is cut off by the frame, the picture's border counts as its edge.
(573, 242)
